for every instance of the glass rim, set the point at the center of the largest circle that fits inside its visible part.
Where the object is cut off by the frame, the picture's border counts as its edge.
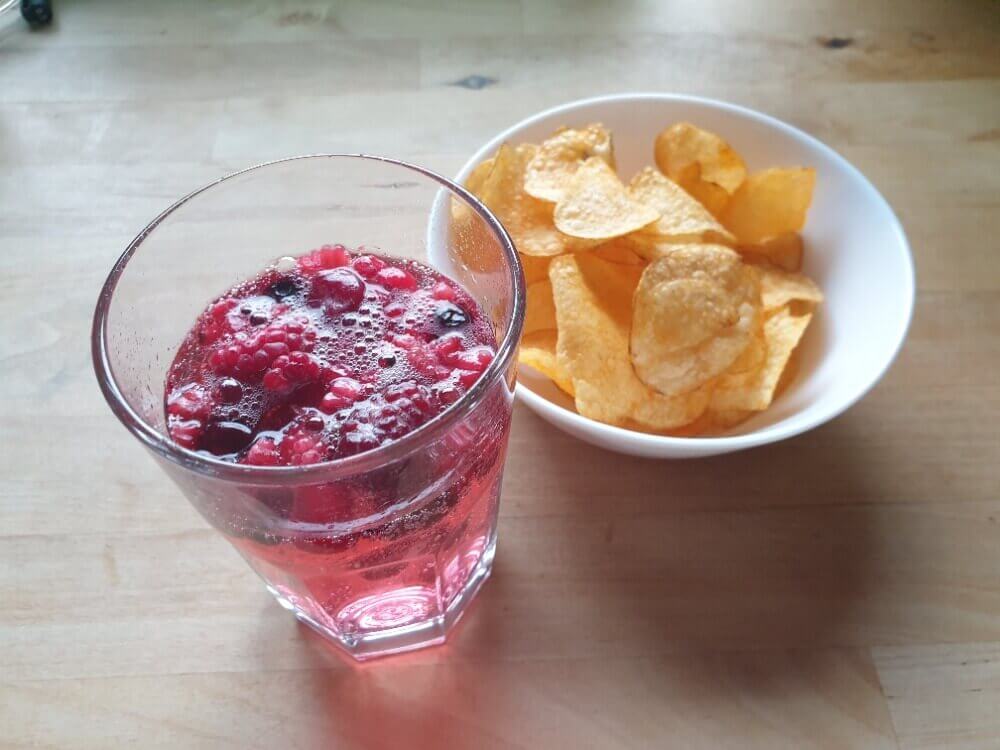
(325, 471)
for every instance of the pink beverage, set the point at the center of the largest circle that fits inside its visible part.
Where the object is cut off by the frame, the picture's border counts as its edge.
(322, 358)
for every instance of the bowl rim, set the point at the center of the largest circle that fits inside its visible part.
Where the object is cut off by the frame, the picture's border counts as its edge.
(787, 427)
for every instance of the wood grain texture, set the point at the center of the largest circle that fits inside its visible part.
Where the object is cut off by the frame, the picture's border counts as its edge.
(838, 590)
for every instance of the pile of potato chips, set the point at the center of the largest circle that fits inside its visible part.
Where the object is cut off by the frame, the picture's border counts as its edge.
(670, 304)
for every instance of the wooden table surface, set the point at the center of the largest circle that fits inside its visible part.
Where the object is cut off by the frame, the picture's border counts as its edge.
(841, 589)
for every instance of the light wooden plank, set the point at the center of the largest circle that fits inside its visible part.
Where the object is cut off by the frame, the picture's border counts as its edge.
(826, 699)
(943, 696)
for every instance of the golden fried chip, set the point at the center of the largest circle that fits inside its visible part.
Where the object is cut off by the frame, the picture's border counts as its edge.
(594, 311)
(540, 313)
(549, 172)
(474, 182)
(711, 196)
(783, 251)
(755, 390)
(597, 206)
(770, 203)
(686, 153)
(619, 250)
(778, 288)
(538, 350)
(682, 218)
(695, 312)
(527, 219)
(535, 268)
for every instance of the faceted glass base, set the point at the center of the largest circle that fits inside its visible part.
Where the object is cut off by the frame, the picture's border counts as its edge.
(398, 620)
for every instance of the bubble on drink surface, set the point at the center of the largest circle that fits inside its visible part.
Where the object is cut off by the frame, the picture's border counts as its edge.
(284, 264)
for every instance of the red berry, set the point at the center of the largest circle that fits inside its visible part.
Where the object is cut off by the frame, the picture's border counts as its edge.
(334, 256)
(264, 452)
(189, 402)
(443, 290)
(368, 266)
(340, 289)
(185, 432)
(215, 321)
(476, 359)
(291, 370)
(396, 278)
(326, 257)
(301, 446)
(247, 356)
(445, 346)
(342, 393)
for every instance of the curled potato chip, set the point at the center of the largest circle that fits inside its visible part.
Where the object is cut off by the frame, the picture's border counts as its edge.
(527, 219)
(550, 170)
(770, 203)
(711, 196)
(682, 218)
(755, 390)
(540, 313)
(783, 251)
(619, 250)
(538, 350)
(535, 268)
(474, 182)
(695, 312)
(686, 153)
(596, 205)
(594, 311)
(778, 288)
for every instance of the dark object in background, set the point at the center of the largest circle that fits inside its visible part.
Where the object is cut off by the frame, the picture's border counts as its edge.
(36, 12)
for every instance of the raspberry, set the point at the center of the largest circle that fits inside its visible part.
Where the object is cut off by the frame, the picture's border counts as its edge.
(328, 256)
(301, 446)
(341, 289)
(421, 356)
(368, 266)
(444, 291)
(291, 370)
(189, 402)
(264, 452)
(358, 437)
(215, 321)
(185, 432)
(445, 346)
(247, 356)
(342, 393)
(475, 359)
(392, 277)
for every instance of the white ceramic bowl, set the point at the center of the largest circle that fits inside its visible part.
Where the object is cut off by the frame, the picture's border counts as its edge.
(855, 250)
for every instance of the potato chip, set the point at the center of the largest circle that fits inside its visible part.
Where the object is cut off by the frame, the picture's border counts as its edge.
(682, 218)
(695, 312)
(527, 219)
(538, 350)
(540, 314)
(783, 251)
(686, 153)
(594, 311)
(474, 182)
(778, 288)
(770, 203)
(711, 196)
(535, 268)
(597, 206)
(755, 390)
(549, 172)
(619, 250)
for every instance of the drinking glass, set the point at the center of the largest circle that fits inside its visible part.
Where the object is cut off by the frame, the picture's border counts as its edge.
(409, 533)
